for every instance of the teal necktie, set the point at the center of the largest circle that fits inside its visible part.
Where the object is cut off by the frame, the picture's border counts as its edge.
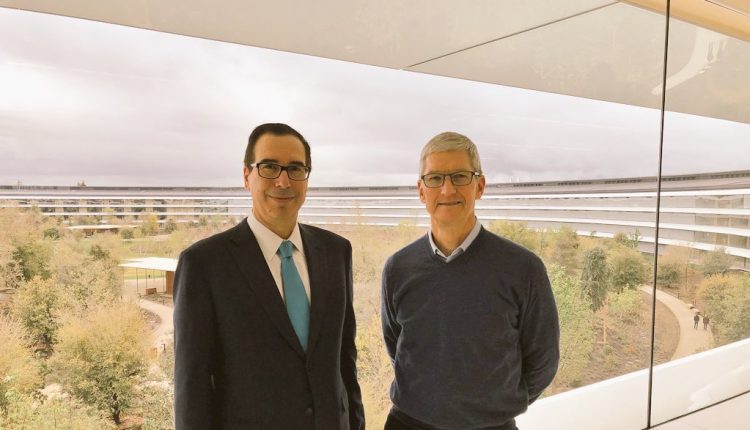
(295, 297)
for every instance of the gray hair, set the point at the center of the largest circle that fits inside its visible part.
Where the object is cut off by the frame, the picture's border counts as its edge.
(451, 141)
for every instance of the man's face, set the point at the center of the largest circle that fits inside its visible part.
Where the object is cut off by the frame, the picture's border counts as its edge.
(450, 205)
(276, 202)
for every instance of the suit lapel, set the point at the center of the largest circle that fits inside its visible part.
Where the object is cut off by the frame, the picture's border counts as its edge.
(249, 258)
(317, 269)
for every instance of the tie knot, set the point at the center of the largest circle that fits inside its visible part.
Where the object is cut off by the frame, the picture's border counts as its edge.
(285, 249)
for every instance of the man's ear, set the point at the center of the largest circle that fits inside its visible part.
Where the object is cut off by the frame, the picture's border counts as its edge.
(421, 190)
(246, 177)
(481, 182)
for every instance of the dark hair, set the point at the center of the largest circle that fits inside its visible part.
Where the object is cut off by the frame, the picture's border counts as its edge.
(276, 129)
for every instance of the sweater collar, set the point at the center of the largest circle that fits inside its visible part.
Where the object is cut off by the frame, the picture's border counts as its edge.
(461, 248)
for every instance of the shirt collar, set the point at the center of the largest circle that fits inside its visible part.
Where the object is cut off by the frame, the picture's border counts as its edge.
(463, 246)
(269, 241)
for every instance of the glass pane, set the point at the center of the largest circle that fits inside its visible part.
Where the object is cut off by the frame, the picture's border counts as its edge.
(586, 198)
(704, 238)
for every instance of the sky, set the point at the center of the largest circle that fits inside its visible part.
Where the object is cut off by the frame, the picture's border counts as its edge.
(118, 106)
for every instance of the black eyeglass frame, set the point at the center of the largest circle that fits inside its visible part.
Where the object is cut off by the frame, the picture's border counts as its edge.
(282, 168)
(444, 175)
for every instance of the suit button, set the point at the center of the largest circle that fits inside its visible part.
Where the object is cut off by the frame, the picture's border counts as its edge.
(308, 412)
(309, 366)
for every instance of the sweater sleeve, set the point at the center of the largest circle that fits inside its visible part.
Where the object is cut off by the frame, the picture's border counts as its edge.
(391, 328)
(540, 332)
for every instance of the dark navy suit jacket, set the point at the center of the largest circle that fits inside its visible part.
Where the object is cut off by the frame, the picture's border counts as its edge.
(238, 362)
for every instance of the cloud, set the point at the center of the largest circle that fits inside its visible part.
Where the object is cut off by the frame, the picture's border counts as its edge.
(121, 106)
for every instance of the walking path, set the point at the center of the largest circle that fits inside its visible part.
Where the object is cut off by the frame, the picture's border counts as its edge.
(162, 332)
(691, 340)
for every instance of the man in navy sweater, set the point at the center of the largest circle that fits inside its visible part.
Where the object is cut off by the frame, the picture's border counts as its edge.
(469, 318)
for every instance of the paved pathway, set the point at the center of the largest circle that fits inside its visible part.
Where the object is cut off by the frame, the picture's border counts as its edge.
(691, 340)
(162, 332)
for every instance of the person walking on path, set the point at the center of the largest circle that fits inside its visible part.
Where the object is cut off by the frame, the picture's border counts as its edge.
(696, 319)
(706, 320)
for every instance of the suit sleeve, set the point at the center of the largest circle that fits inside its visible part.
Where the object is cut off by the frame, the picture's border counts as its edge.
(391, 328)
(349, 352)
(540, 333)
(193, 342)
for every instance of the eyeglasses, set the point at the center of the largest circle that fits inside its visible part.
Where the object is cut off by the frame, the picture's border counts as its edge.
(273, 171)
(436, 180)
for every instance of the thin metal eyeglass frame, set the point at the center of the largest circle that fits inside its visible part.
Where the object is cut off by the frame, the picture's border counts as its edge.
(281, 169)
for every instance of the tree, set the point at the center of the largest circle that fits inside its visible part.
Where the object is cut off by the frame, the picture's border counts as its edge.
(595, 277)
(170, 226)
(19, 374)
(102, 357)
(576, 332)
(595, 283)
(564, 252)
(628, 240)
(150, 224)
(127, 233)
(11, 275)
(33, 259)
(716, 262)
(625, 305)
(517, 232)
(726, 300)
(36, 306)
(629, 270)
(667, 274)
(85, 275)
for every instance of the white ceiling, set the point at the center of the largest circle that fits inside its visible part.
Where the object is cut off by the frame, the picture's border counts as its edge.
(597, 49)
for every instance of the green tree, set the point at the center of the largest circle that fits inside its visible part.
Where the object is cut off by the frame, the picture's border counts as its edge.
(668, 273)
(576, 332)
(624, 305)
(716, 262)
(726, 300)
(102, 357)
(127, 233)
(51, 233)
(595, 283)
(629, 270)
(36, 306)
(98, 253)
(595, 277)
(33, 258)
(564, 250)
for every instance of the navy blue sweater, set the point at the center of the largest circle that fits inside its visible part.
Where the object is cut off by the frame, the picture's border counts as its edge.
(473, 342)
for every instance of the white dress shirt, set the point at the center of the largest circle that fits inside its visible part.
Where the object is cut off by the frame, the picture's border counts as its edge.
(461, 248)
(269, 244)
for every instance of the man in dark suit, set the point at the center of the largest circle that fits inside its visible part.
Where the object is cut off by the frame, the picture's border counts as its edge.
(264, 324)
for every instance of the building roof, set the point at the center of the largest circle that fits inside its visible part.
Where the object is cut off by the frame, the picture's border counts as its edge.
(152, 263)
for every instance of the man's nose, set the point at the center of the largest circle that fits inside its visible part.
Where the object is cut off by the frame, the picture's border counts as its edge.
(448, 188)
(283, 180)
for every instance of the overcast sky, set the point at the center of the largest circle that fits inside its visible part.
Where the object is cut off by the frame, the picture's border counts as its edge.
(112, 105)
